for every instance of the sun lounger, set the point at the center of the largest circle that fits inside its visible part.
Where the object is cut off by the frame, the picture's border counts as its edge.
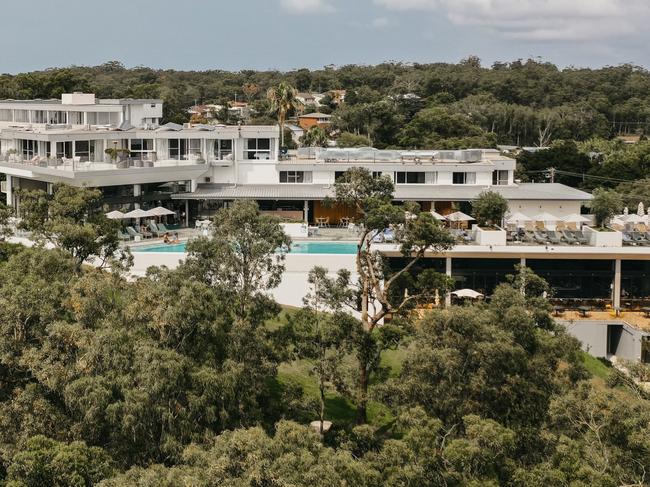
(540, 237)
(553, 237)
(639, 238)
(389, 235)
(163, 228)
(580, 237)
(123, 236)
(131, 231)
(628, 240)
(155, 230)
(569, 238)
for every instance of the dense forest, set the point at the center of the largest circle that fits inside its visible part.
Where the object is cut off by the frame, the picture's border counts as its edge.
(578, 111)
(196, 377)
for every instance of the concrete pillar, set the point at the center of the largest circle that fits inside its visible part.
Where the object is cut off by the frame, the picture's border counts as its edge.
(616, 298)
(137, 191)
(448, 272)
(187, 213)
(50, 188)
(10, 191)
(306, 211)
(194, 185)
(522, 262)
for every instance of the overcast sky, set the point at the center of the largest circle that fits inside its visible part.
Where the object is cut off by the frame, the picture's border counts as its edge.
(288, 34)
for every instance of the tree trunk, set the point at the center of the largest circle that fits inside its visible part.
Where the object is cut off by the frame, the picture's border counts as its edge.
(322, 405)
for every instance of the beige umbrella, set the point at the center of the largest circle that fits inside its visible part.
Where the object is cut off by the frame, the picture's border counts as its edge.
(437, 215)
(137, 213)
(160, 211)
(467, 293)
(459, 216)
(115, 215)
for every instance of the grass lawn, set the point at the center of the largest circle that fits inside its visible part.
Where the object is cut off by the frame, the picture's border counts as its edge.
(598, 368)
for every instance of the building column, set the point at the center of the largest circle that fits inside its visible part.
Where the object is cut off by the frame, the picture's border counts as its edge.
(306, 212)
(522, 262)
(616, 298)
(50, 188)
(10, 190)
(194, 185)
(187, 213)
(448, 272)
(137, 191)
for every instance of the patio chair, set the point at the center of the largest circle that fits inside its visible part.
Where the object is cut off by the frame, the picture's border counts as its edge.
(154, 229)
(378, 238)
(554, 237)
(580, 237)
(163, 229)
(123, 236)
(640, 238)
(389, 235)
(540, 237)
(131, 231)
(569, 237)
(627, 239)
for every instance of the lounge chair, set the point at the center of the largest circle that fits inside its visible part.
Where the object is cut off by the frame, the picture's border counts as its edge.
(540, 237)
(155, 230)
(162, 228)
(131, 231)
(389, 235)
(628, 240)
(569, 237)
(123, 236)
(378, 238)
(580, 237)
(553, 237)
(640, 238)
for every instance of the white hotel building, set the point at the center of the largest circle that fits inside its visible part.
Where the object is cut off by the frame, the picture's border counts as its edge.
(197, 169)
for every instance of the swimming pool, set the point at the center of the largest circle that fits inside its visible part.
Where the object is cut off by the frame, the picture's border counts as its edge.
(340, 248)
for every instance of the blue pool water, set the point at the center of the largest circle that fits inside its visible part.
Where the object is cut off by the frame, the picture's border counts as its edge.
(341, 248)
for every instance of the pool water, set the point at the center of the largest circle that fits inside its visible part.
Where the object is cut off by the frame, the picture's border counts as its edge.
(339, 248)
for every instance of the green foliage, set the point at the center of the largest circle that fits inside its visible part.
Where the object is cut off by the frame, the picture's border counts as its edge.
(282, 101)
(43, 461)
(604, 205)
(346, 139)
(315, 137)
(73, 221)
(489, 208)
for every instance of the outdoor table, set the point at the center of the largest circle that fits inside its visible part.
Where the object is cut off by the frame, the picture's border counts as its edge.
(558, 310)
(584, 310)
(321, 221)
(344, 222)
(646, 312)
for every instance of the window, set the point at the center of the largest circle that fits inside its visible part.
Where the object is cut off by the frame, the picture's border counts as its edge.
(140, 148)
(64, 149)
(499, 178)
(29, 148)
(222, 149)
(464, 178)
(84, 149)
(75, 118)
(376, 174)
(295, 176)
(178, 149)
(413, 177)
(258, 149)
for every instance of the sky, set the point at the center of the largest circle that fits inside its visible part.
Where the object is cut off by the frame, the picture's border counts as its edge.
(291, 34)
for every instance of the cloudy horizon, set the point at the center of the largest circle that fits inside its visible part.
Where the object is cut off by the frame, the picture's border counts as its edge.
(290, 34)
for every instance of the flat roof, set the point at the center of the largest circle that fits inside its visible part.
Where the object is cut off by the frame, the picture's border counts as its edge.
(288, 191)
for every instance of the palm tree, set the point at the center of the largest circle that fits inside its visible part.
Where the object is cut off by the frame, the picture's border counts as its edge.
(283, 99)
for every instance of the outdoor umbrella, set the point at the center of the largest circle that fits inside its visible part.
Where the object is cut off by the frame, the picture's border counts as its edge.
(545, 217)
(459, 216)
(137, 213)
(160, 211)
(467, 293)
(437, 215)
(640, 209)
(575, 218)
(518, 218)
(633, 218)
(115, 215)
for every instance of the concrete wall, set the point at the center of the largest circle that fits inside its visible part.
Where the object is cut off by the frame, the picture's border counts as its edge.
(532, 208)
(593, 336)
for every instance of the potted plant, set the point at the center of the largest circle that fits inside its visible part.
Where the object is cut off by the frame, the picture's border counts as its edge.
(489, 209)
(604, 205)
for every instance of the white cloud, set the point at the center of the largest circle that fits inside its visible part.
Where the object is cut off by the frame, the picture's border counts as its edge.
(539, 20)
(300, 7)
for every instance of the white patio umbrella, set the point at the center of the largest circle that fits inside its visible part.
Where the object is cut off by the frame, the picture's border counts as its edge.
(518, 218)
(575, 218)
(626, 210)
(160, 211)
(115, 215)
(437, 215)
(137, 213)
(545, 217)
(467, 293)
(459, 216)
(634, 218)
(640, 209)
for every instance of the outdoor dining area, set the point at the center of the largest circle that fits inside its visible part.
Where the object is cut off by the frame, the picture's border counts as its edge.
(151, 227)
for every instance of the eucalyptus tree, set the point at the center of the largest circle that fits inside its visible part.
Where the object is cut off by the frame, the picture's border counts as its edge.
(376, 299)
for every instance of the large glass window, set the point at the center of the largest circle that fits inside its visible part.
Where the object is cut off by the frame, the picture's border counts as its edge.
(85, 149)
(141, 148)
(178, 149)
(500, 178)
(464, 178)
(222, 149)
(29, 148)
(415, 177)
(258, 149)
(64, 149)
(75, 118)
(295, 176)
